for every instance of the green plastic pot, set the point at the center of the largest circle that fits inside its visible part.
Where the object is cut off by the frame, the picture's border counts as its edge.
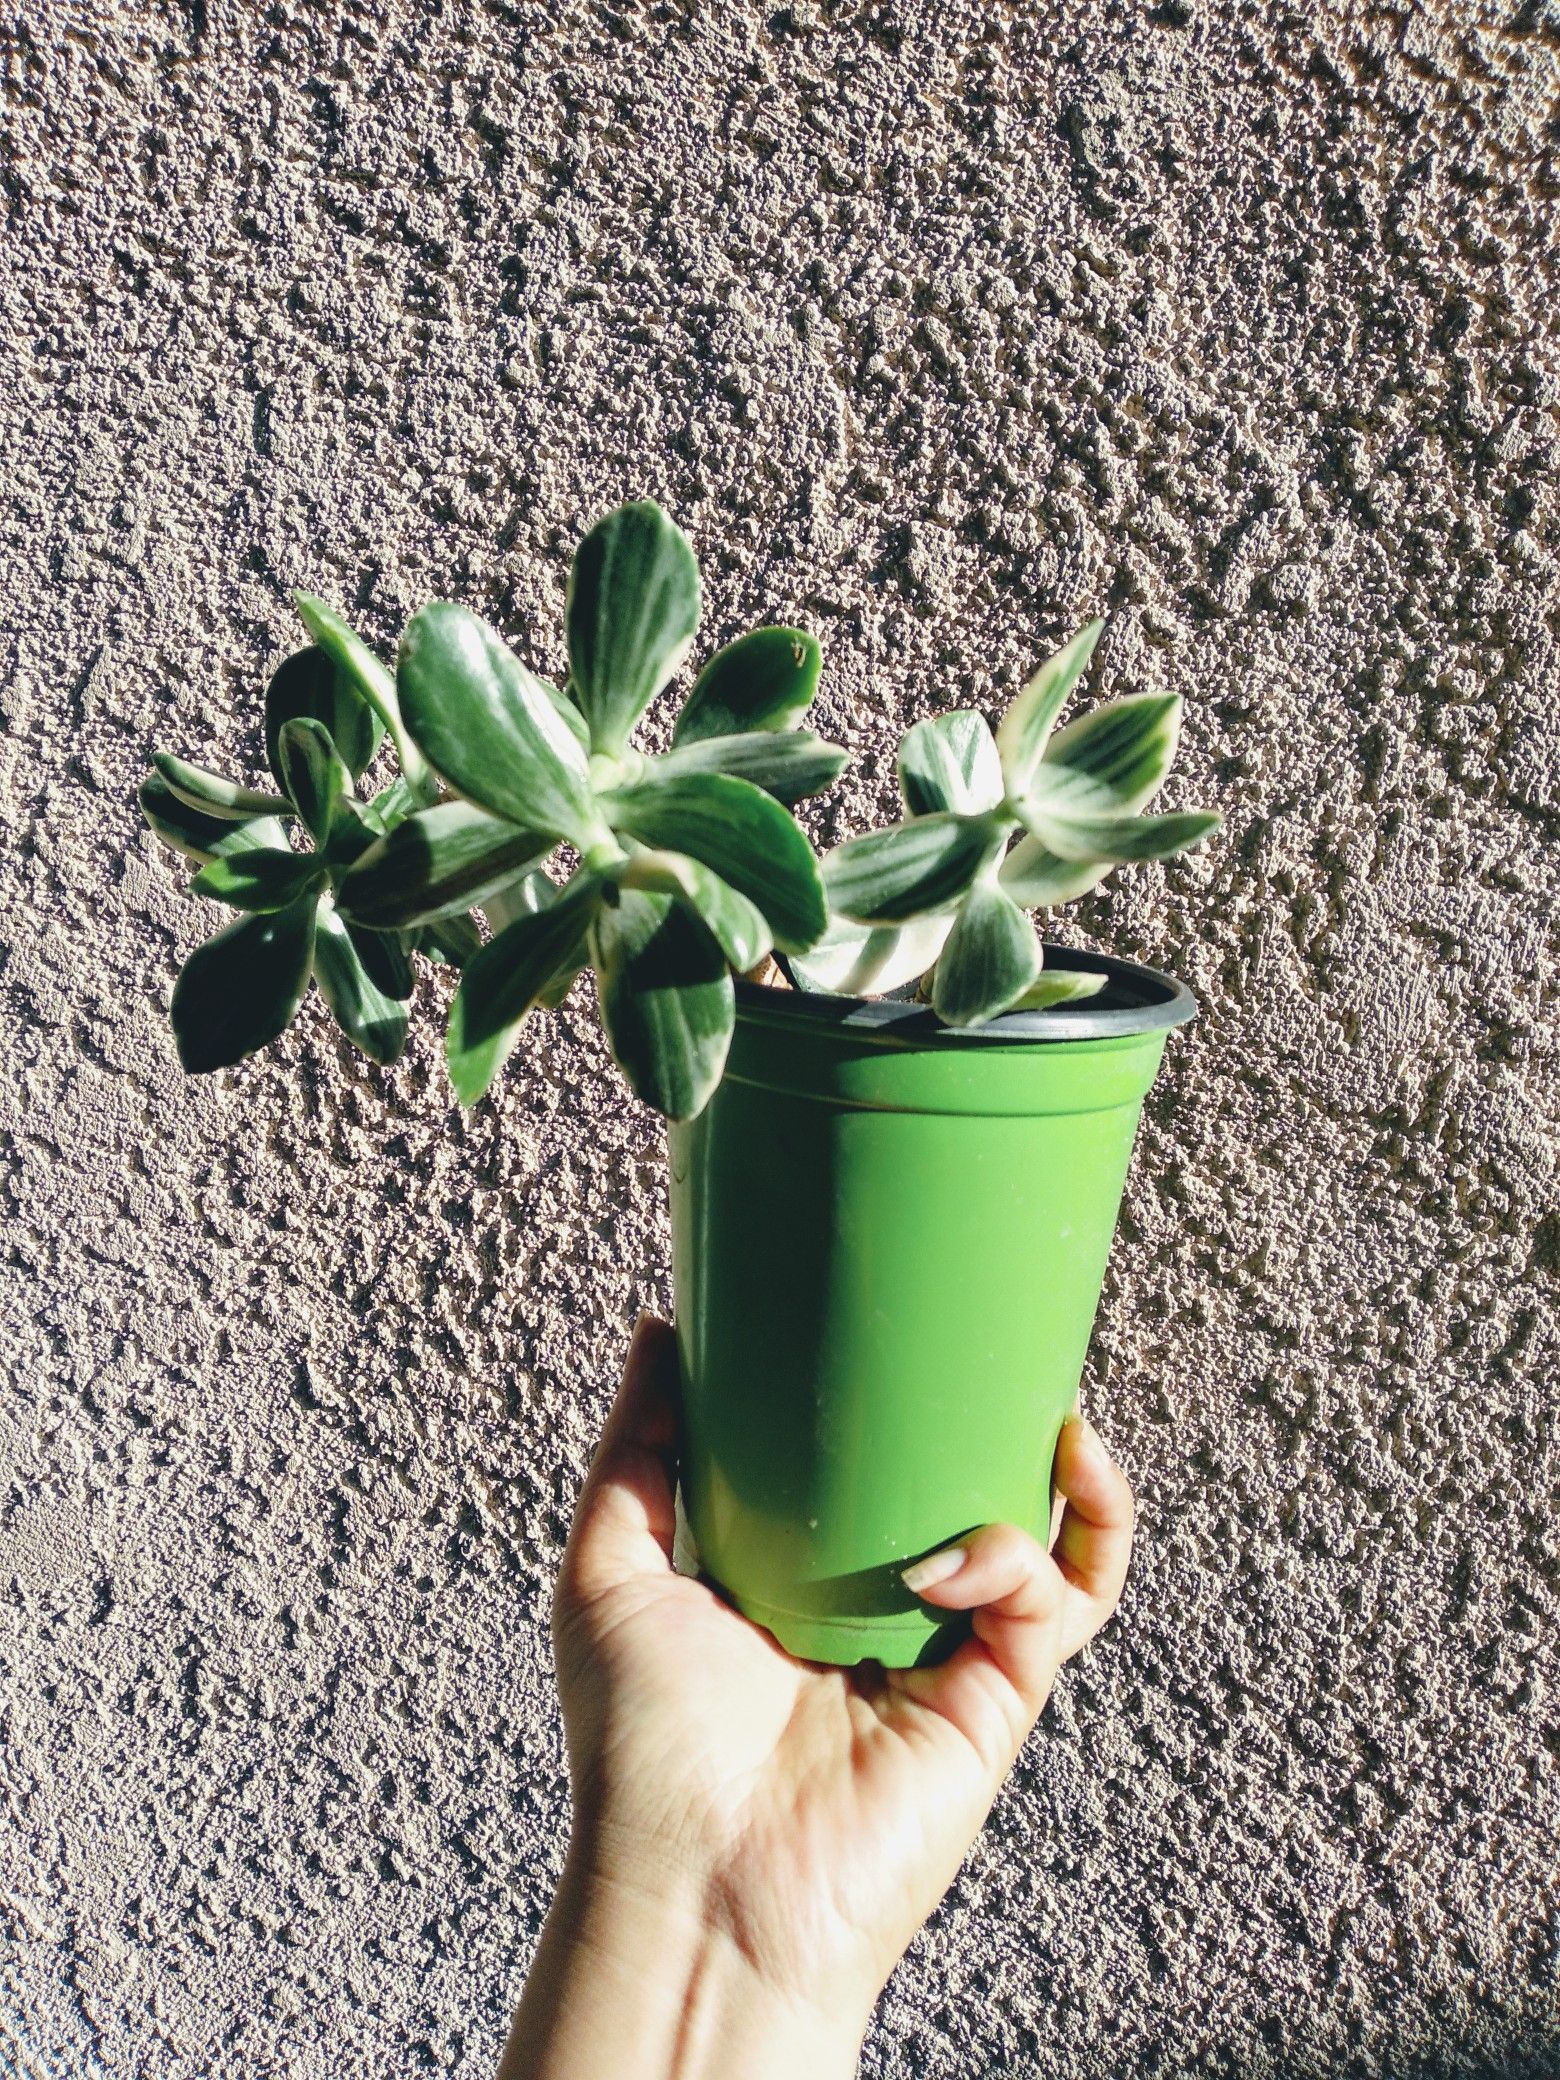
(889, 1239)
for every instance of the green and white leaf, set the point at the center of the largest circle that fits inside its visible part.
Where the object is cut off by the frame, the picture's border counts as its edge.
(490, 726)
(1112, 761)
(991, 957)
(369, 678)
(503, 983)
(371, 1018)
(666, 997)
(950, 762)
(910, 869)
(790, 764)
(522, 898)
(260, 878)
(312, 684)
(213, 796)
(313, 772)
(1037, 880)
(866, 960)
(1059, 986)
(568, 713)
(765, 681)
(1023, 730)
(1119, 838)
(453, 940)
(438, 863)
(738, 927)
(195, 834)
(242, 988)
(734, 827)
(631, 610)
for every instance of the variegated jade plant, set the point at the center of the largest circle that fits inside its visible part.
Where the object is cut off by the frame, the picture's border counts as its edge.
(687, 866)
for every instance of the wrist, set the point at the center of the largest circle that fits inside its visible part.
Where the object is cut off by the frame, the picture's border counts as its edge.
(626, 1980)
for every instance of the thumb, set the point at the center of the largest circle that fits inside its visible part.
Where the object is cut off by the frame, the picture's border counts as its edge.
(625, 1518)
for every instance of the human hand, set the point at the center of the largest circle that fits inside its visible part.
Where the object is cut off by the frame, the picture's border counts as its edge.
(775, 1830)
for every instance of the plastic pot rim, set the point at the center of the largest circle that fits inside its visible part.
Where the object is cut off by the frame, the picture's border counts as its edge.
(1135, 1000)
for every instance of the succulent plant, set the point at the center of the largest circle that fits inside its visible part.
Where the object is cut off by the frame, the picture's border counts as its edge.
(941, 897)
(687, 866)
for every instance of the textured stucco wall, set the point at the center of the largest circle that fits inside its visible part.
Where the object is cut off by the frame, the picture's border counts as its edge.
(939, 328)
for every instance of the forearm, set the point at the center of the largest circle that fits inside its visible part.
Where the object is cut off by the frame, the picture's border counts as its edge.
(624, 1984)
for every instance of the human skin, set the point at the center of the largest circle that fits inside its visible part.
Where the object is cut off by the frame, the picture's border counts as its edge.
(756, 1838)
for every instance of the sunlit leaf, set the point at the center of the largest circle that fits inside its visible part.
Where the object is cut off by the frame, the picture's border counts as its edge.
(311, 684)
(313, 772)
(502, 984)
(738, 927)
(437, 863)
(213, 796)
(788, 764)
(950, 762)
(372, 1018)
(991, 957)
(259, 878)
(1119, 838)
(631, 611)
(909, 869)
(763, 681)
(1023, 730)
(867, 960)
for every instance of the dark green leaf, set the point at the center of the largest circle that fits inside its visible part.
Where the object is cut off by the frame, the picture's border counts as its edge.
(789, 764)
(523, 898)
(1118, 838)
(869, 960)
(370, 678)
(196, 835)
(909, 869)
(213, 796)
(453, 940)
(438, 863)
(734, 827)
(765, 680)
(371, 1018)
(631, 611)
(310, 684)
(503, 983)
(667, 1000)
(354, 828)
(259, 878)
(950, 762)
(385, 958)
(313, 773)
(738, 927)
(1022, 732)
(992, 956)
(1059, 986)
(1037, 880)
(243, 987)
(394, 803)
(1111, 761)
(488, 725)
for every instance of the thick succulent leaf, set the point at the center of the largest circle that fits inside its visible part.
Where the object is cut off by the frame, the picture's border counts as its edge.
(438, 863)
(1023, 730)
(737, 829)
(1119, 838)
(667, 1000)
(488, 725)
(313, 772)
(1059, 986)
(213, 796)
(522, 898)
(991, 958)
(950, 762)
(1037, 880)
(453, 940)
(1112, 761)
(393, 804)
(195, 834)
(354, 827)
(259, 877)
(568, 714)
(631, 611)
(242, 988)
(867, 960)
(909, 869)
(502, 984)
(371, 1018)
(738, 927)
(789, 764)
(312, 684)
(765, 680)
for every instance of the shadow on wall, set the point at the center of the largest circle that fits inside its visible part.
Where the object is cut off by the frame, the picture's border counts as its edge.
(1536, 2063)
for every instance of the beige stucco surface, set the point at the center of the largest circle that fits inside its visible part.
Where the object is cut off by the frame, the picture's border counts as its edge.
(939, 329)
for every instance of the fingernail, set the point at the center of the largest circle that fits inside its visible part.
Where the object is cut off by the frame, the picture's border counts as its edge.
(936, 1567)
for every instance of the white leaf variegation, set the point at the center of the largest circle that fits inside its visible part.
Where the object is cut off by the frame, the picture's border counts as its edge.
(950, 762)
(1112, 761)
(865, 960)
(1023, 730)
